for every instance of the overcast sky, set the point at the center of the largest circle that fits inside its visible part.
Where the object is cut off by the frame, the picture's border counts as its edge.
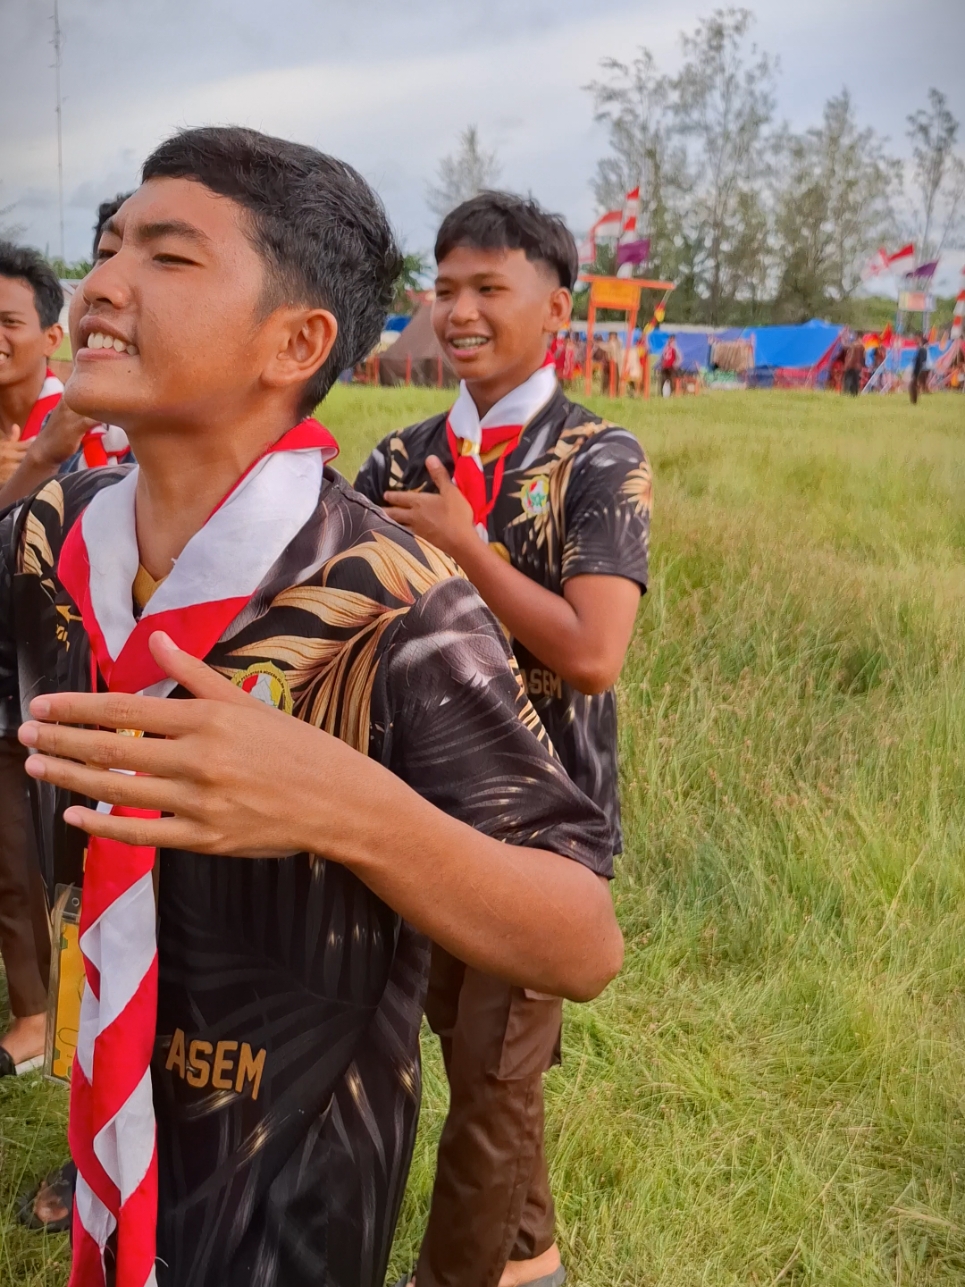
(389, 84)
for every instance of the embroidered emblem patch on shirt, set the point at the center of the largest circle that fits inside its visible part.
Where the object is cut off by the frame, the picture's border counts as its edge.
(266, 683)
(535, 495)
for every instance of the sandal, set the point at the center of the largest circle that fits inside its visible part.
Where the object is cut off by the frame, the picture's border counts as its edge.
(61, 1187)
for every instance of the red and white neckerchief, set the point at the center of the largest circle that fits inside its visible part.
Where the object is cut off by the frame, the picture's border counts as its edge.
(471, 438)
(51, 392)
(112, 1129)
(101, 445)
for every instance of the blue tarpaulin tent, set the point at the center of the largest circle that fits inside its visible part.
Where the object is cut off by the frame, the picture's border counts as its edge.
(776, 348)
(792, 346)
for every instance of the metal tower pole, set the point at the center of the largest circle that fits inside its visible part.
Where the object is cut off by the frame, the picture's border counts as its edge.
(60, 130)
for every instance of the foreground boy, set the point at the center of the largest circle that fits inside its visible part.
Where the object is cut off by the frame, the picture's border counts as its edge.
(229, 291)
(547, 510)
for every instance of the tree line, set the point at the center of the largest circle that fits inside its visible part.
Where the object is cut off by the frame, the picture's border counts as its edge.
(752, 220)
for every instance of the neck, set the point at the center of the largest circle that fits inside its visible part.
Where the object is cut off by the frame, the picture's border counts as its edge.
(17, 400)
(486, 393)
(185, 471)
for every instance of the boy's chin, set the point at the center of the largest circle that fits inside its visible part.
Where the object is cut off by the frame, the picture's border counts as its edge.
(96, 395)
(471, 370)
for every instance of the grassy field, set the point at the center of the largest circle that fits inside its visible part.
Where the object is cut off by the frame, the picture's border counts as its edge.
(774, 1089)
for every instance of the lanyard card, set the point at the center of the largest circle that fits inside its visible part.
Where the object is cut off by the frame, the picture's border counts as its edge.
(66, 985)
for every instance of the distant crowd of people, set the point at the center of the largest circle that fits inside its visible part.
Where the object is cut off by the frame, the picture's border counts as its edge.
(618, 368)
(857, 364)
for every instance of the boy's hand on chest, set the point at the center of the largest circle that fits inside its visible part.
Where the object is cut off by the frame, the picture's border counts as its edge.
(220, 774)
(444, 518)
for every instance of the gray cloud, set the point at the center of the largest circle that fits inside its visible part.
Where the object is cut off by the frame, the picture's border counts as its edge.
(388, 86)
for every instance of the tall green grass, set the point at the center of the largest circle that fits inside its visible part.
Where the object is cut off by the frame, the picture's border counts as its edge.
(774, 1089)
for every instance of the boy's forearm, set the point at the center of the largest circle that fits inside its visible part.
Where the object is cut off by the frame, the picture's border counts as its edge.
(542, 621)
(530, 916)
(225, 774)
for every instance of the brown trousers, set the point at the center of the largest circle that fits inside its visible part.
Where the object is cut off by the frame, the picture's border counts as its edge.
(491, 1201)
(24, 925)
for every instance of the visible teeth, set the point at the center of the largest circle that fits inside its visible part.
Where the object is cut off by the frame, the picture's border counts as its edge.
(99, 341)
(469, 342)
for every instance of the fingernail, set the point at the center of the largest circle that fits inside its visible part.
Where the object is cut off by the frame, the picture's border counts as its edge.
(36, 766)
(72, 817)
(40, 707)
(28, 734)
(164, 639)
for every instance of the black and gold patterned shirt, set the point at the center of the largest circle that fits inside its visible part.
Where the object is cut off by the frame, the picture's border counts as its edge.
(286, 1070)
(574, 501)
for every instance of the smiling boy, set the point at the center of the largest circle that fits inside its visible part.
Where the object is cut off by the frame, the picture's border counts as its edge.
(546, 509)
(299, 860)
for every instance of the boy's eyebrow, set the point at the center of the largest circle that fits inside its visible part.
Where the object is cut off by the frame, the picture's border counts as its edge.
(163, 228)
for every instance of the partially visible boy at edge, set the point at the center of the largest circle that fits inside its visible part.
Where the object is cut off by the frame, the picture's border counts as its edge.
(546, 508)
(228, 293)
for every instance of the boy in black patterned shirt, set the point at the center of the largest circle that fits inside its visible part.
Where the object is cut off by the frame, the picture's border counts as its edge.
(546, 508)
(327, 660)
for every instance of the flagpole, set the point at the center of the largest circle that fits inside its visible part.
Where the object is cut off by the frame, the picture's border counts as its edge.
(60, 130)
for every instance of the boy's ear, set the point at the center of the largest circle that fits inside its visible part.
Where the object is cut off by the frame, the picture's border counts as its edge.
(301, 339)
(560, 309)
(52, 337)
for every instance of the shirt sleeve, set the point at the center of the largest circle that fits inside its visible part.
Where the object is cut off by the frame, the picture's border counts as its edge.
(460, 730)
(372, 479)
(607, 509)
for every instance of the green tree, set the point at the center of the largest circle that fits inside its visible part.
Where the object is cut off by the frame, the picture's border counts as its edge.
(939, 175)
(414, 276)
(833, 206)
(633, 99)
(9, 231)
(69, 271)
(463, 174)
(722, 102)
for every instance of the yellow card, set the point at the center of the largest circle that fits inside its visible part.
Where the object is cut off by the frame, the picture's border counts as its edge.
(66, 985)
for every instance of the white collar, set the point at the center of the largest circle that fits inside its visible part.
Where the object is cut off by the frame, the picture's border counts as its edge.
(518, 407)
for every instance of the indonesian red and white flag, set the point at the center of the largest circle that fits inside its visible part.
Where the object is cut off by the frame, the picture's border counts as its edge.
(112, 1128)
(902, 259)
(586, 250)
(631, 209)
(876, 265)
(958, 315)
(882, 262)
(608, 226)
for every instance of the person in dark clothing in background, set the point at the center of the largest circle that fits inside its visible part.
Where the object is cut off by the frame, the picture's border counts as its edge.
(546, 509)
(853, 366)
(919, 371)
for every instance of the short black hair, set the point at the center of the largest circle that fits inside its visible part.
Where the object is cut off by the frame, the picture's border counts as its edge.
(504, 221)
(107, 210)
(321, 230)
(26, 265)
